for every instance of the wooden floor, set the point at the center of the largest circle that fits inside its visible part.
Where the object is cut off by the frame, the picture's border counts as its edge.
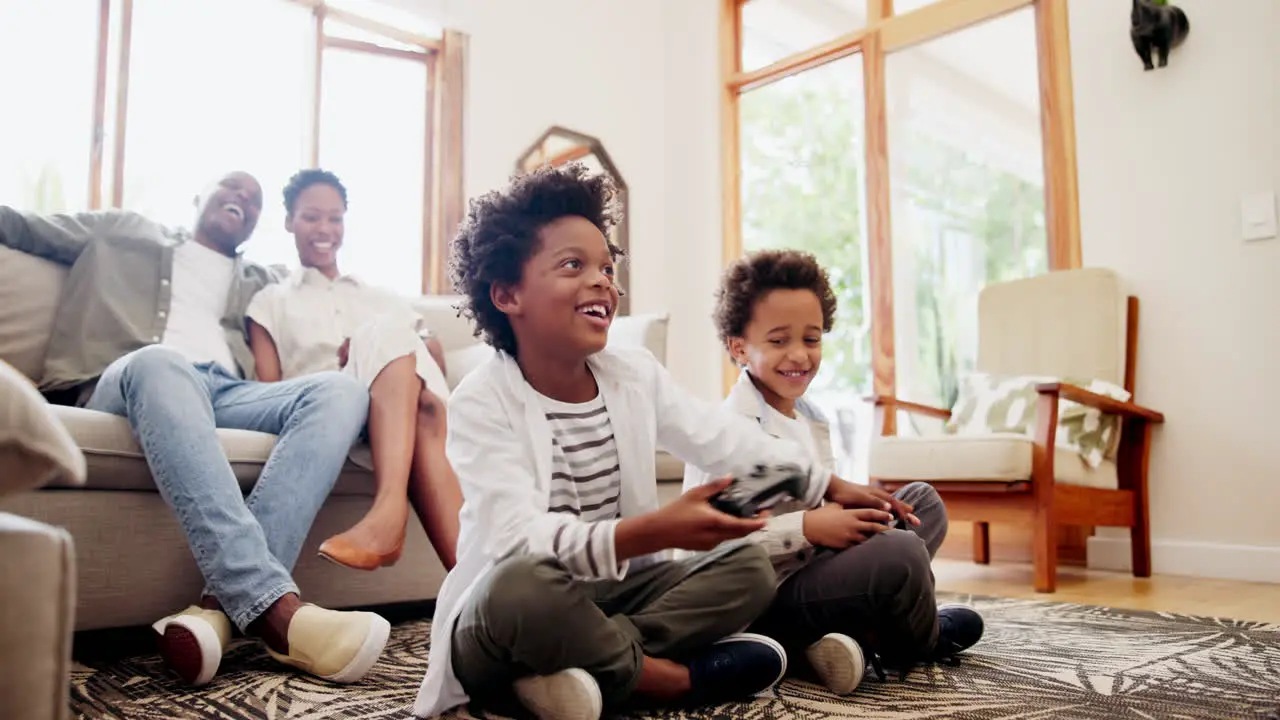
(1195, 596)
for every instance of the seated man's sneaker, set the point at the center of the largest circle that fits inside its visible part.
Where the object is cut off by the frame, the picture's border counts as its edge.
(336, 646)
(193, 641)
(959, 628)
(735, 668)
(567, 695)
(838, 661)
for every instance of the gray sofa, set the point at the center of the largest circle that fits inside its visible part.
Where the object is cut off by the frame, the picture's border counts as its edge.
(132, 562)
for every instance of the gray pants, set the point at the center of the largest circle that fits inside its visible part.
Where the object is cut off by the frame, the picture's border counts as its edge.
(879, 592)
(531, 617)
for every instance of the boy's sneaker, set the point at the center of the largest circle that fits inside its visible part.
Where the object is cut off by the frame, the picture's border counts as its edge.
(959, 628)
(838, 661)
(193, 641)
(734, 668)
(567, 695)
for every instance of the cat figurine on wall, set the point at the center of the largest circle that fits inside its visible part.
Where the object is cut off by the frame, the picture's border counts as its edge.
(1156, 25)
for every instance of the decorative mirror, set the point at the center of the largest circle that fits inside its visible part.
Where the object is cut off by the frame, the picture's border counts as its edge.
(559, 146)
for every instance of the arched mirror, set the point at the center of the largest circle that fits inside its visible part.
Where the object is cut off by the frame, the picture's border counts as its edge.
(558, 146)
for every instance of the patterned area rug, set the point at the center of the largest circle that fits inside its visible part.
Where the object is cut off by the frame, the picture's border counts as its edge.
(1037, 660)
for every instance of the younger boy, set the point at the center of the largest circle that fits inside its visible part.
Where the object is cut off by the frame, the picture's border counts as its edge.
(847, 581)
(563, 591)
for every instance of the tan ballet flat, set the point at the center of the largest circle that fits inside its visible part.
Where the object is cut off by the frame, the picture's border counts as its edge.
(339, 551)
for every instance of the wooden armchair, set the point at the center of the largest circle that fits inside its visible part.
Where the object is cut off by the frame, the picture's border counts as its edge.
(1067, 324)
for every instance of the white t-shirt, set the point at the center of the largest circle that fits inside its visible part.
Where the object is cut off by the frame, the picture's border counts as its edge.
(201, 286)
(586, 479)
(799, 429)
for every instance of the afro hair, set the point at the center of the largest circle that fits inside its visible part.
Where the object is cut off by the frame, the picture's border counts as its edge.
(752, 277)
(304, 179)
(501, 231)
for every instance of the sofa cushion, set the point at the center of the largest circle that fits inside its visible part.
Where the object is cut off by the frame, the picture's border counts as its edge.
(649, 331)
(29, 291)
(115, 461)
(35, 449)
(998, 456)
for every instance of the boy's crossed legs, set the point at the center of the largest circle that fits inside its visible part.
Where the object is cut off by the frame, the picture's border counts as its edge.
(529, 618)
(880, 593)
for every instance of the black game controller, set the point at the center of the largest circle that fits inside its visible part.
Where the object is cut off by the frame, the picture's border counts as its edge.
(763, 488)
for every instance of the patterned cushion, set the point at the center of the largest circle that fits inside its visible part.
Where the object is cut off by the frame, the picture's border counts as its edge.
(1007, 404)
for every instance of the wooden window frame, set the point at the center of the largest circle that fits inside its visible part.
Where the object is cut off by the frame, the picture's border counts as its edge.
(887, 32)
(445, 61)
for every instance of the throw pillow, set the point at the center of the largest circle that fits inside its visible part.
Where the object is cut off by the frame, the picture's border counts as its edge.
(35, 446)
(989, 404)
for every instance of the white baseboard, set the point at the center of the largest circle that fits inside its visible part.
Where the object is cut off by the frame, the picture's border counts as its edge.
(1258, 563)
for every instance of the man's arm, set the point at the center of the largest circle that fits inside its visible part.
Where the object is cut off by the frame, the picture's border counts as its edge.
(720, 441)
(60, 237)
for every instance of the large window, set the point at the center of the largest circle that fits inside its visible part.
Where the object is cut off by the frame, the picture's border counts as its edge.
(199, 111)
(140, 103)
(967, 183)
(376, 132)
(48, 61)
(802, 187)
(921, 149)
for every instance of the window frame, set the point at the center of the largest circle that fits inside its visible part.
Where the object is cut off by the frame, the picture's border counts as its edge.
(886, 33)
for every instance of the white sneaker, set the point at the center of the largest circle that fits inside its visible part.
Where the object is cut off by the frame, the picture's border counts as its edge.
(192, 643)
(839, 662)
(567, 695)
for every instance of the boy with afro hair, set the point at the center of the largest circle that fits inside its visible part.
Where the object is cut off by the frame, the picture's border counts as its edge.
(852, 576)
(565, 594)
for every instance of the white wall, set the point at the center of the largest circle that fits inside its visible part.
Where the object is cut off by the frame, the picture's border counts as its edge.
(1163, 159)
(562, 62)
(642, 77)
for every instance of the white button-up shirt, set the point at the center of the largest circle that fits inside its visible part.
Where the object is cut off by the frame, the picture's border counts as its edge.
(309, 316)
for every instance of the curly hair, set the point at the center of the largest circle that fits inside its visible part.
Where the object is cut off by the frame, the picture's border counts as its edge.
(753, 276)
(304, 179)
(500, 234)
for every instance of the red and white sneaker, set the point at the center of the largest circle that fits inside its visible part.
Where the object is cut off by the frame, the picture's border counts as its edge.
(193, 641)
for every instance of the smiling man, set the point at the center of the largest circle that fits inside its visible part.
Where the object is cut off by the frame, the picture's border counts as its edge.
(150, 326)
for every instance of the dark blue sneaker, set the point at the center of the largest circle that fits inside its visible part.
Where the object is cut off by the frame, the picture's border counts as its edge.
(735, 668)
(959, 628)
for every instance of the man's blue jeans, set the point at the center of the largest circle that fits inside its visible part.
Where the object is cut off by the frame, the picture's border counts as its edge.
(245, 547)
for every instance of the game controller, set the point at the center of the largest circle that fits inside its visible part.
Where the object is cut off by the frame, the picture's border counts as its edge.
(764, 487)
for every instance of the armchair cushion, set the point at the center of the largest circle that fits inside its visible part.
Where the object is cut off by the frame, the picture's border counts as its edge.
(990, 457)
(990, 403)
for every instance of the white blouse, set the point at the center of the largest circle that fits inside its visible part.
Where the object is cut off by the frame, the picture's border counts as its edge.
(309, 316)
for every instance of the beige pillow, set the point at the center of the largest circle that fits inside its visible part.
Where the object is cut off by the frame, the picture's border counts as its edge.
(990, 404)
(29, 291)
(35, 448)
(648, 330)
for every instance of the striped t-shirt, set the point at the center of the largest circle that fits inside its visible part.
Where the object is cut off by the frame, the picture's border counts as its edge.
(585, 477)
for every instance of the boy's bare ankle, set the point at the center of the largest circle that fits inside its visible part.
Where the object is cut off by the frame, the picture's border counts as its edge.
(272, 626)
(662, 680)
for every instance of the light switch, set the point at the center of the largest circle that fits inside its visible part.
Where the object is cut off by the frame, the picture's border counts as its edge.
(1258, 216)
